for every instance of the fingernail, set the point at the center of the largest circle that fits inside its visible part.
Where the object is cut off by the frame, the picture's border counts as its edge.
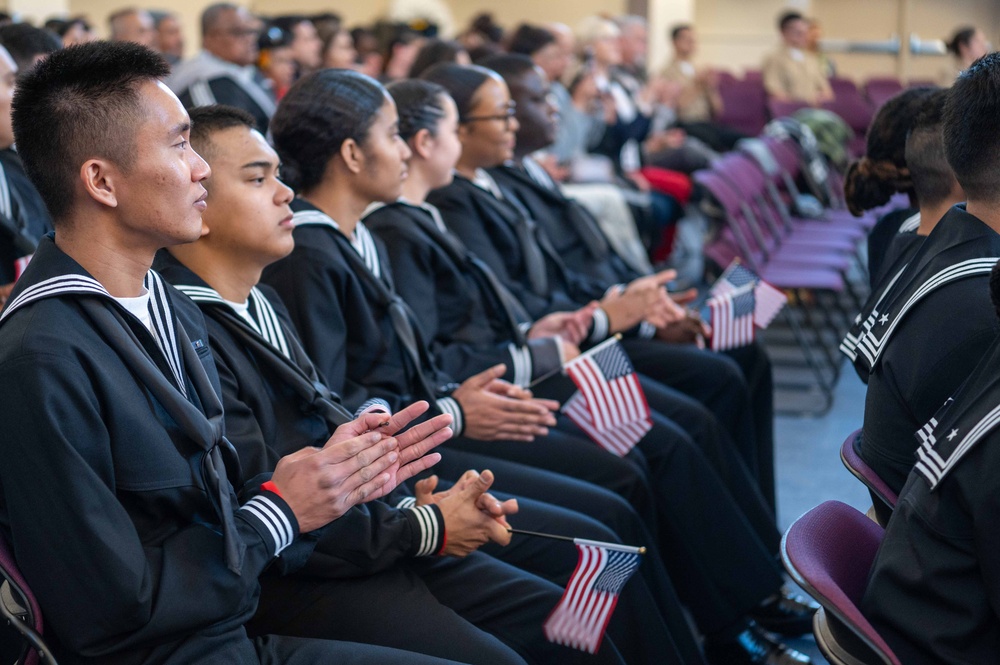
(375, 437)
(393, 457)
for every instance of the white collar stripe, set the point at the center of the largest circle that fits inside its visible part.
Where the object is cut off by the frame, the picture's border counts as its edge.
(313, 218)
(872, 347)
(5, 205)
(68, 283)
(163, 324)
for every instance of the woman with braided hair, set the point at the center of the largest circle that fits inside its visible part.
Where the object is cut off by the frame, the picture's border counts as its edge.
(881, 172)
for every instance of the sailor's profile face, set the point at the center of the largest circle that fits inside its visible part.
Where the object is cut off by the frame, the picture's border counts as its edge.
(161, 193)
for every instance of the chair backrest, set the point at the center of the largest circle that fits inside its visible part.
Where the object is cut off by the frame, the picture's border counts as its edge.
(734, 211)
(860, 469)
(829, 552)
(744, 106)
(881, 90)
(782, 109)
(856, 111)
(840, 85)
(19, 606)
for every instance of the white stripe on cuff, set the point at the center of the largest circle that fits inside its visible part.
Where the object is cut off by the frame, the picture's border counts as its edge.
(274, 520)
(406, 502)
(429, 529)
(520, 358)
(646, 330)
(449, 405)
(600, 332)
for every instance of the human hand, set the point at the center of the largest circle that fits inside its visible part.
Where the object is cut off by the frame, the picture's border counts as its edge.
(321, 484)
(571, 326)
(491, 416)
(689, 330)
(414, 444)
(472, 516)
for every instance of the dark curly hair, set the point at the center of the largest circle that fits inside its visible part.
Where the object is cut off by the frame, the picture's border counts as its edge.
(80, 103)
(419, 104)
(316, 116)
(872, 180)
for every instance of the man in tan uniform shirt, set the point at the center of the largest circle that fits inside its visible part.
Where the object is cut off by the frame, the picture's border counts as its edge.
(792, 74)
(698, 99)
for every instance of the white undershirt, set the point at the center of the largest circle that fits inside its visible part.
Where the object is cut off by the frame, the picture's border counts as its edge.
(243, 309)
(139, 308)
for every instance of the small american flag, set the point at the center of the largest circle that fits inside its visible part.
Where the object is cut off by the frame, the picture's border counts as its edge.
(732, 318)
(583, 612)
(609, 405)
(769, 300)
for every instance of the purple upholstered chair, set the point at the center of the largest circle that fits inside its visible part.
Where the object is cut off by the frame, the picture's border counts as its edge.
(829, 552)
(744, 106)
(860, 469)
(783, 109)
(19, 607)
(881, 90)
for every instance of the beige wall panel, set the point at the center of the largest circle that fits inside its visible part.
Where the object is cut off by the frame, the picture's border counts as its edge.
(737, 34)
(509, 13)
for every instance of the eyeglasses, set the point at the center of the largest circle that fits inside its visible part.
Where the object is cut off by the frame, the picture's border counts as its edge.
(506, 116)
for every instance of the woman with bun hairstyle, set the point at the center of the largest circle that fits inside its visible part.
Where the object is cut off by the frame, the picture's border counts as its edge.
(968, 44)
(457, 305)
(873, 180)
(921, 334)
(337, 135)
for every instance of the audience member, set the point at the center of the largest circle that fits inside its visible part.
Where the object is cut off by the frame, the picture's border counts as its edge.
(307, 46)
(276, 59)
(339, 51)
(967, 45)
(269, 414)
(71, 31)
(221, 72)
(120, 500)
(132, 25)
(169, 36)
(938, 557)
(634, 46)
(24, 220)
(814, 48)
(399, 47)
(27, 44)
(370, 60)
(933, 320)
(436, 51)
(872, 180)
(790, 73)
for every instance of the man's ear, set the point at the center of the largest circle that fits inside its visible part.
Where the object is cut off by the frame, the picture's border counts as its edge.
(353, 155)
(100, 180)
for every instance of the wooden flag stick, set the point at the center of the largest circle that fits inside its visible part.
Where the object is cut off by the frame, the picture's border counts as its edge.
(580, 541)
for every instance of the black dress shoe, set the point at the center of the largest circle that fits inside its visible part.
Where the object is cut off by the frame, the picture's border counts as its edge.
(786, 614)
(753, 647)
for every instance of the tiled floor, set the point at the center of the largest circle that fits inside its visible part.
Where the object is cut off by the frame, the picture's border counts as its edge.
(808, 467)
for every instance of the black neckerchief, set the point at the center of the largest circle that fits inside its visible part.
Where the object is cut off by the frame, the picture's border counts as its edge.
(266, 339)
(382, 289)
(503, 301)
(53, 274)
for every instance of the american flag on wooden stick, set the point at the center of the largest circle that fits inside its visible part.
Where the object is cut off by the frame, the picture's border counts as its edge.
(768, 300)
(583, 612)
(732, 318)
(609, 405)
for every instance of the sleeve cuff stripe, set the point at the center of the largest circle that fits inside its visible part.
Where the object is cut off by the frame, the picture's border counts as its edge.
(520, 357)
(450, 406)
(406, 502)
(273, 519)
(375, 404)
(428, 529)
(646, 330)
(600, 331)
